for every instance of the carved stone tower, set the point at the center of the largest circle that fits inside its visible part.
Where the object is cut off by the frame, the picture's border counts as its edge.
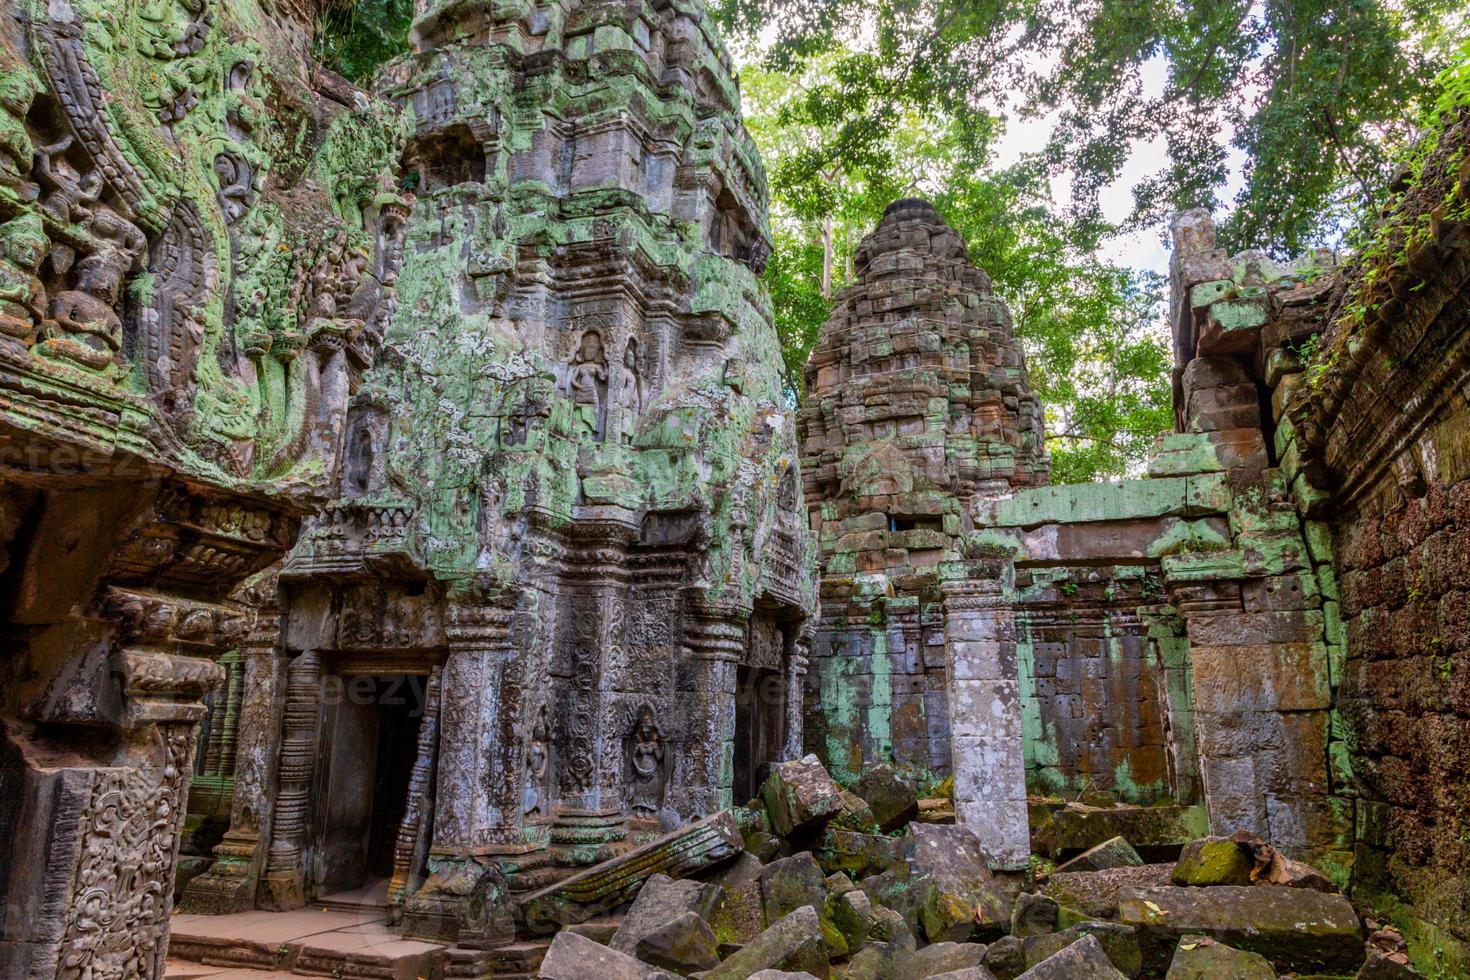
(917, 405)
(570, 521)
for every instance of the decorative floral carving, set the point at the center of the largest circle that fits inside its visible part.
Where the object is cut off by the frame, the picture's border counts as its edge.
(117, 920)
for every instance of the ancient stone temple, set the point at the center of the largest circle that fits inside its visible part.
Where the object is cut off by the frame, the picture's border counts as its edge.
(560, 597)
(548, 576)
(1263, 635)
(917, 408)
(200, 237)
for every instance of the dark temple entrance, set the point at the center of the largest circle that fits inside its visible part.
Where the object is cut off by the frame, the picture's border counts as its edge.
(370, 735)
(760, 714)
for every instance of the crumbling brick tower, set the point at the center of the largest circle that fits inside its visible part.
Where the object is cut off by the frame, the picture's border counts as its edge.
(917, 404)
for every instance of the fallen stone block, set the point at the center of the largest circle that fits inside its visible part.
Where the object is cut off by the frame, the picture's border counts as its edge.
(888, 926)
(781, 975)
(1213, 861)
(1119, 942)
(745, 867)
(891, 800)
(600, 932)
(904, 892)
(1006, 958)
(1095, 893)
(1297, 929)
(605, 887)
(790, 883)
(851, 913)
(1082, 960)
(880, 961)
(1201, 958)
(1034, 915)
(739, 915)
(574, 957)
(659, 902)
(968, 973)
(941, 849)
(800, 795)
(1115, 852)
(1077, 826)
(861, 855)
(966, 899)
(794, 944)
(1386, 966)
(888, 961)
(765, 846)
(941, 958)
(684, 945)
(856, 814)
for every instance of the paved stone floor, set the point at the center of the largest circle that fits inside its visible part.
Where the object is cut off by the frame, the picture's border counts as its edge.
(184, 970)
(306, 941)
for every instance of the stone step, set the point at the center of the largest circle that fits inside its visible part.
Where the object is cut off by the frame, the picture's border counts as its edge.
(370, 899)
(306, 942)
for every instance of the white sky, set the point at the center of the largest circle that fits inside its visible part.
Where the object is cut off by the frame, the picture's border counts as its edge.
(1142, 249)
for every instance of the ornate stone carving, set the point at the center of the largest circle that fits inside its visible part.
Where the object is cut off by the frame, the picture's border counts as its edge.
(647, 761)
(116, 923)
(282, 887)
(587, 384)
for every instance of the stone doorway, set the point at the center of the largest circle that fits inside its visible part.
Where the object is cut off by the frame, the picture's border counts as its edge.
(369, 741)
(760, 714)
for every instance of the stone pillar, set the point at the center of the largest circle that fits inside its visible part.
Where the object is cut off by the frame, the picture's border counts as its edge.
(481, 769)
(230, 883)
(479, 758)
(796, 668)
(986, 740)
(283, 886)
(411, 848)
(713, 641)
(89, 882)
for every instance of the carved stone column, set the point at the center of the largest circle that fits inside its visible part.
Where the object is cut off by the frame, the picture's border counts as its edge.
(283, 886)
(481, 762)
(230, 883)
(796, 668)
(590, 811)
(714, 640)
(411, 849)
(89, 887)
(989, 763)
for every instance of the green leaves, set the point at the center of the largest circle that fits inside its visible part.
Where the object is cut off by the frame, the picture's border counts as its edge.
(1091, 331)
(1319, 96)
(355, 37)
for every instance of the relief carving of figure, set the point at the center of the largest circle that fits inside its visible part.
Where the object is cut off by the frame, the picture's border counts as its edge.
(534, 802)
(17, 90)
(644, 749)
(70, 194)
(87, 315)
(630, 395)
(23, 247)
(587, 384)
(359, 462)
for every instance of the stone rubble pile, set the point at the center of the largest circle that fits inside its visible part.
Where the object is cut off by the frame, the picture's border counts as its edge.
(835, 883)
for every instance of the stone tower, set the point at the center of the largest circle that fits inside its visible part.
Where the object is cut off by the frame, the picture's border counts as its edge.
(569, 530)
(917, 405)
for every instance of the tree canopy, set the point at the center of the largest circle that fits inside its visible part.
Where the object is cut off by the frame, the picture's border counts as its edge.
(857, 102)
(1321, 97)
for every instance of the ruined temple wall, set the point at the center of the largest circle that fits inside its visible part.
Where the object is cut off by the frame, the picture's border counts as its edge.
(1237, 617)
(917, 403)
(1377, 427)
(1099, 696)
